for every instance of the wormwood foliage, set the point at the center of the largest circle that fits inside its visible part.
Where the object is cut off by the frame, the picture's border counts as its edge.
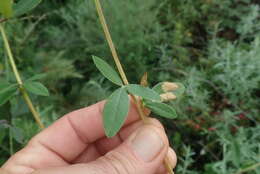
(117, 105)
(211, 46)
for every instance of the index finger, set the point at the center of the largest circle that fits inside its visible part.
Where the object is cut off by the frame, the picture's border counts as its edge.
(70, 135)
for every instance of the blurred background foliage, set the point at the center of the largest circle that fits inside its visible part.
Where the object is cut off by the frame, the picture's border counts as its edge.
(212, 46)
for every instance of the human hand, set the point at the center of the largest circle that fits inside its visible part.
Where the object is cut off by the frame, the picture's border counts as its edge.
(76, 144)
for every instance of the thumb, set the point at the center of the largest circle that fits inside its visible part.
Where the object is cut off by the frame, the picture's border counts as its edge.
(141, 153)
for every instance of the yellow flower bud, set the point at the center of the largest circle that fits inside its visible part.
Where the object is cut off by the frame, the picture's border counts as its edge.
(168, 96)
(169, 86)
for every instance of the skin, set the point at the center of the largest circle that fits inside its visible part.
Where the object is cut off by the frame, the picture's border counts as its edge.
(76, 144)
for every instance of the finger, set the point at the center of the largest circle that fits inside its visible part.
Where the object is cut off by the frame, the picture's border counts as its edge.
(172, 159)
(2, 171)
(91, 153)
(105, 145)
(142, 152)
(63, 141)
(70, 135)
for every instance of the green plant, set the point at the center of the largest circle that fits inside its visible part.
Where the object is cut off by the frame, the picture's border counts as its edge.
(192, 42)
(116, 107)
(7, 90)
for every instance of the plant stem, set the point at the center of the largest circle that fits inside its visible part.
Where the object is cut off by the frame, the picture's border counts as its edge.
(11, 145)
(136, 100)
(248, 168)
(24, 93)
(110, 42)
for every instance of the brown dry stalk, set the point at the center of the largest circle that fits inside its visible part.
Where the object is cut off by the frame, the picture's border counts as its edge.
(136, 100)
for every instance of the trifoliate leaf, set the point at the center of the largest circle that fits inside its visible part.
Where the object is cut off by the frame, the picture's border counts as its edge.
(36, 77)
(115, 111)
(24, 6)
(143, 92)
(161, 109)
(36, 88)
(107, 71)
(6, 92)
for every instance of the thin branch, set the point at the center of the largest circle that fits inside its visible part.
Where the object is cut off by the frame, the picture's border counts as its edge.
(253, 167)
(116, 58)
(25, 95)
(136, 100)
(110, 42)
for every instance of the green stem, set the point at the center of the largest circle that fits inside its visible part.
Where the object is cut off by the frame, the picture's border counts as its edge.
(136, 100)
(110, 42)
(24, 93)
(11, 145)
(10, 56)
(248, 168)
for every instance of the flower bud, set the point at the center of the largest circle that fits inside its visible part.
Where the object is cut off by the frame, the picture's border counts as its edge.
(169, 86)
(168, 96)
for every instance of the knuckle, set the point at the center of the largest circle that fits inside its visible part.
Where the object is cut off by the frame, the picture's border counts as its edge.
(118, 163)
(38, 172)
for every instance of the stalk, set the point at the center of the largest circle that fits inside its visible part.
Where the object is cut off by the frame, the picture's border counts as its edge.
(24, 93)
(136, 100)
(253, 167)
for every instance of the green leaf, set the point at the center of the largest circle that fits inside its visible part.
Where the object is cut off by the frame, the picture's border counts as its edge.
(236, 152)
(24, 6)
(177, 92)
(115, 111)
(158, 88)
(180, 91)
(107, 71)
(36, 77)
(6, 92)
(161, 109)
(4, 84)
(143, 92)
(36, 88)
(18, 134)
(6, 8)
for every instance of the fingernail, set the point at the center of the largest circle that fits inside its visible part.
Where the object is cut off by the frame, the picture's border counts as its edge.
(147, 144)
